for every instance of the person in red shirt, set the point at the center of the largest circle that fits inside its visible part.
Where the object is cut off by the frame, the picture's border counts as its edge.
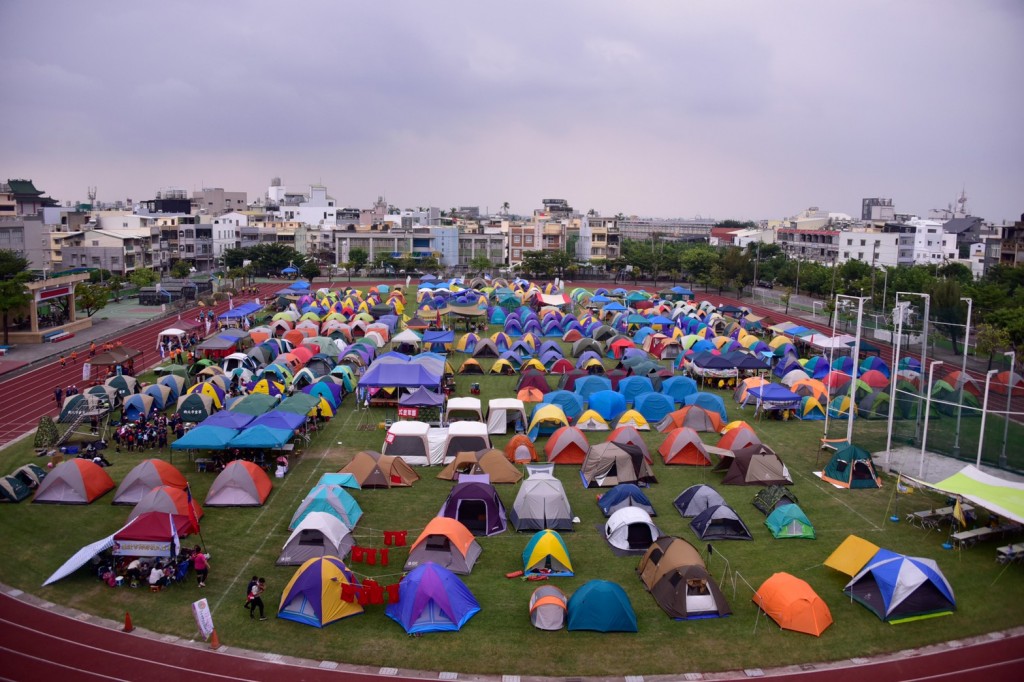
(202, 565)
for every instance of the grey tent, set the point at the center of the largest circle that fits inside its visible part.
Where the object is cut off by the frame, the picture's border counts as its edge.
(696, 499)
(631, 530)
(720, 523)
(318, 534)
(608, 464)
(583, 345)
(548, 608)
(541, 503)
(445, 542)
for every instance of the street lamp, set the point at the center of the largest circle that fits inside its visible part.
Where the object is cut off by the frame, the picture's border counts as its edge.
(963, 376)
(927, 412)
(984, 411)
(1009, 394)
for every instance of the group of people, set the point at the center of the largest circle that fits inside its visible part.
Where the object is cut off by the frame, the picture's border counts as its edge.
(60, 393)
(160, 572)
(142, 434)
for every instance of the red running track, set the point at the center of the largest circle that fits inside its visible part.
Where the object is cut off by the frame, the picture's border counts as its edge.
(26, 398)
(38, 644)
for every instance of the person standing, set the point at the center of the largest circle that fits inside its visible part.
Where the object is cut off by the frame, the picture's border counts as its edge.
(257, 599)
(58, 394)
(253, 582)
(63, 361)
(202, 565)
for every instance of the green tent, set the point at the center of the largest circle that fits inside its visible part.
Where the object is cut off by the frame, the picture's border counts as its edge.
(852, 467)
(254, 404)
(13, 490)
(789, 521)
(300, 403)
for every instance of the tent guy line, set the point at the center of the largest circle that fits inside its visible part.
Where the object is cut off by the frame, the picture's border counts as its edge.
(839, 499)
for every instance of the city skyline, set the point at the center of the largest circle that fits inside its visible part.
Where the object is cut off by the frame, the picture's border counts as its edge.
(745, 111)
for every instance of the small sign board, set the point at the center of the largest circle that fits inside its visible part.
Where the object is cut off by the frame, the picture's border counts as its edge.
(204, 618)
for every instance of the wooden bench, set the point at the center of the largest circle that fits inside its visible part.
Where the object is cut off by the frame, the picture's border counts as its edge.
(1014, 552)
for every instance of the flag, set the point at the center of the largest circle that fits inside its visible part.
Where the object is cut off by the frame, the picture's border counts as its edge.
(900, 488)
(193, 519)
(958, 514)
(174, 534)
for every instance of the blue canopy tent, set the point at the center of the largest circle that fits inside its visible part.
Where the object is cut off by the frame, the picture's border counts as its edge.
(228, 419)
(261, 436)
(205, 438)
(772, 397)
(278, 419)
(240, 311)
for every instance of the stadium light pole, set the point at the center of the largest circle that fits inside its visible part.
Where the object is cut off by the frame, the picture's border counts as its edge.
(984, 409)
(924, 341)
(1009, 394)
(927, 411)
(856, 362)
(963, 377)
(900, 311)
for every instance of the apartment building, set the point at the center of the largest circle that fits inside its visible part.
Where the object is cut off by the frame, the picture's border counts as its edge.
(213, 201)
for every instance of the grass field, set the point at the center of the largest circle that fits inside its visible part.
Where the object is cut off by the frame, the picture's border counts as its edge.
(500, 639)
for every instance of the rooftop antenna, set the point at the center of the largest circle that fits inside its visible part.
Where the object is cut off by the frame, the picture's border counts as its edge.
(91, 192)
(962, 200)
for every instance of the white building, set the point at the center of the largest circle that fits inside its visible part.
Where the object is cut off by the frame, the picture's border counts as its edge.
(314, 208)
(227, 231)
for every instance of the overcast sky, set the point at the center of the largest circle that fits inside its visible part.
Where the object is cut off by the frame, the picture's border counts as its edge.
(745, 109)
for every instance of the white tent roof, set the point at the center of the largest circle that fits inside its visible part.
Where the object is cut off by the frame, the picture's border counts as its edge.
(409, 428)
(333, 528)
(468, 404)
(407, 336)
(505, 404)
(468, 428)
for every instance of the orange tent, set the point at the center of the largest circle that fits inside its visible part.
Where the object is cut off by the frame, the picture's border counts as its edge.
(520, 449)
(166, 499)
(793, 604)
(567, 445)
(76, 481)
(737, 439)
(697, 418)
(684, 446)
(530, 395)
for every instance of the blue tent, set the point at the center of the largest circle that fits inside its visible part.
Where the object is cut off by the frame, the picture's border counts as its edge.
(228, 419)
(432, 599)
(205, 438)
(624, 495)
(609, 404)
(289, 271)
(772, 397)
(261, 437)
(632, 387)
(601, 606)
(709, 401)
(337, 478)
(332, 499)
(586, 386)
(654, 406)
(901, 588)
(399, 374)
(678, 388)
(570, 402)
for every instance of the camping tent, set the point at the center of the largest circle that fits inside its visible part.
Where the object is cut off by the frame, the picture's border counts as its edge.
(624, 495)
(541, 503)
(314, 594)
(520, 449)
(789, 521)
(548, 608)
(491, 462)
(793, 604)
(755, 466)
(693, 416)
(851, 467)
(567, 445)
(408, 440)
(240, 484)
(591, 421)
(447, 543)
(720, 522)
(674, 573)
(547, 418)
(901, 588)
(374, 470)
(75, 481)
(503, 412)
(545, 554)
(601, 606)
(168, 500)
(319, 534)
(477, 506)
(684, 446)
(772, 497)
(608, 464)
(332, 499)
(465, 437)
(695, 499)
(432, 599)
(144, 476)
(630, 530)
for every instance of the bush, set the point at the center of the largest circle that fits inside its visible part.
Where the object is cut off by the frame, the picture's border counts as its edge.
(46, 432)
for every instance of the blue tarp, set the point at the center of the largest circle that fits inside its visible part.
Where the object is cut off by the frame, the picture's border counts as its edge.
(205, 438)
(240, 311)
(773, 397)
(447, 336)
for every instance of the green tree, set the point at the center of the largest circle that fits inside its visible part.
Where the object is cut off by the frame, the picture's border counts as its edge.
(91, 298)
(480, 263)
(559, 261)
(737, 268)
(235, 258)
(948, 309)
(309, 270)
(357, 259)
(181, 269)
(990, 340)
(273, 257)
(144, 277)
(46, 433)
(115, 284)
(235, 274)
(14, 275)
(536, 263)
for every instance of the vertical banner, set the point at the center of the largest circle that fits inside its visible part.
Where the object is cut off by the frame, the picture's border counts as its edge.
(86, 371)
(204, 618)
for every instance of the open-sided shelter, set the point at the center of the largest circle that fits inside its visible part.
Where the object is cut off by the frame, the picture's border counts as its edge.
(447, 543)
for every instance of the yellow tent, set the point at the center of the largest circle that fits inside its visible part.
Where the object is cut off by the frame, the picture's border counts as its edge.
(851, 555)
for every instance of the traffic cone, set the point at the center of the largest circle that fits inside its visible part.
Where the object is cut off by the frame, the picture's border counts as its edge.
(128, 627)
(214, 640)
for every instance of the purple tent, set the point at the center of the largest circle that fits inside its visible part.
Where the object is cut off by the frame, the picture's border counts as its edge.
(421, 397)
(228, 419)
(432, 599)
(477, 507)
